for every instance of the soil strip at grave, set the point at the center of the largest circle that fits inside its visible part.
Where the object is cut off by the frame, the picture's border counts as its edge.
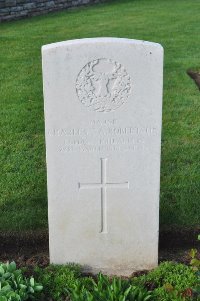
(30, 248)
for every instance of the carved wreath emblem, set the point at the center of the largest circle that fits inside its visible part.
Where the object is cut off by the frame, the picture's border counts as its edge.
(103, 85)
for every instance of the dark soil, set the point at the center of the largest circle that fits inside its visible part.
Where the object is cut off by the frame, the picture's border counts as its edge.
(26, 249)
(31, 248)
(195, 75)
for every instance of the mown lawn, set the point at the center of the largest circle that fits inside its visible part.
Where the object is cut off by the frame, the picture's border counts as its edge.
(173, 23)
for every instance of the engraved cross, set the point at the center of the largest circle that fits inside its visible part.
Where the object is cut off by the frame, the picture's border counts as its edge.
(103, 186)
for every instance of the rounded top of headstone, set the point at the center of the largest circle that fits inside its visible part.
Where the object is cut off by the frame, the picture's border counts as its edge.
(101, 40)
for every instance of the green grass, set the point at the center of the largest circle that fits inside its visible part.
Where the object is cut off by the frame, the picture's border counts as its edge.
(174, 24)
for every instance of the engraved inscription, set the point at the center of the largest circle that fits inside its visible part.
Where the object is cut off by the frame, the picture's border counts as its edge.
(104, 185)
(103, 135)
(103, 85)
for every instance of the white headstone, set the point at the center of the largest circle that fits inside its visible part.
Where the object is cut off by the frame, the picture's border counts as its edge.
(103, 104)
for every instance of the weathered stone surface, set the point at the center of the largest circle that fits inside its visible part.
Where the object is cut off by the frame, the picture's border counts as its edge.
(3, 14)
(2, 5)
(7, 18)
(10, 3)
(16, 9)
(20, 2)
(50, 4)
(5, 10)
(33, 6)
(29, 6)
(23, 13)
(40, 2)
(103, 103)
